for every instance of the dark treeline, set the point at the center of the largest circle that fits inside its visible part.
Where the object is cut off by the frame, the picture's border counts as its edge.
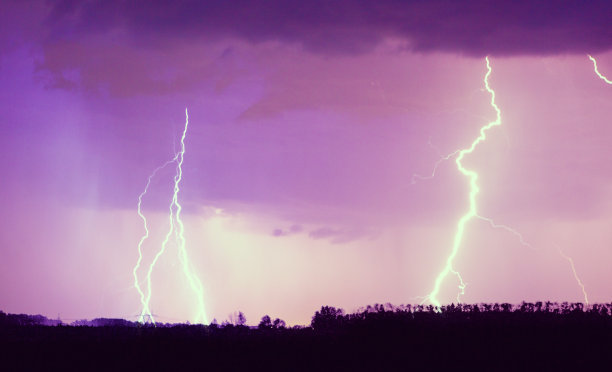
(541, 335)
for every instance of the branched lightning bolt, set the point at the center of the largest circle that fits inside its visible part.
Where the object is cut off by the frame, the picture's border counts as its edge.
(146, 311)
(597, 71)
(584, 293)
(474, 189)
(177, 229)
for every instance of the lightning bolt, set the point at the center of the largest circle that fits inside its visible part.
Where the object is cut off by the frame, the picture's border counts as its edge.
(474, 190)
(568, 258)
(146, 312)
(597, 70)
(176, 228)
(493, 224)
(194, 281)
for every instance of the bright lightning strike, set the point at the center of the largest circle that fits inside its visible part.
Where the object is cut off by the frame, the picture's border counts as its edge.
(569, 259)
(146, 311)
(194, 281)
(474, 189)
(177, 229)
(597, 70)
(493, 224)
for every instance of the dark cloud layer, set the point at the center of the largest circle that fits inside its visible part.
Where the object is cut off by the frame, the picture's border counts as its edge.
(474, 28)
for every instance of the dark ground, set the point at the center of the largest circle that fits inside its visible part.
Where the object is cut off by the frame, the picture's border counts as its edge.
(469, 337)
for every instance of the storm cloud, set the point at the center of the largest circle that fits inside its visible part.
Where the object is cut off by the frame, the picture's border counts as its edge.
(472, 28)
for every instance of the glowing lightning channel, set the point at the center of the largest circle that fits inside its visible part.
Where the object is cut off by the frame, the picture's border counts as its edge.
(584, 293)
(194, 281)
(146, 311)
(493, 224)
(177, 228)
(474, 189)
(597, 71)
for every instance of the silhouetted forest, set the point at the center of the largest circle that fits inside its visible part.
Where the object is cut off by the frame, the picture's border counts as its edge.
(528, 336)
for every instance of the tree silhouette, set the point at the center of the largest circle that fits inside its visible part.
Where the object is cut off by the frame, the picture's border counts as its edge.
(265, 323)
(279, 323)
(241, 321)
(327, 318)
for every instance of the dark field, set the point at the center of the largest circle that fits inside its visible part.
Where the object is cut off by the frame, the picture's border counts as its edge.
(542, 336)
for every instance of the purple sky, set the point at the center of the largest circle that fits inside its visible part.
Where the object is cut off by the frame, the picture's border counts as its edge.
(307, 124)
